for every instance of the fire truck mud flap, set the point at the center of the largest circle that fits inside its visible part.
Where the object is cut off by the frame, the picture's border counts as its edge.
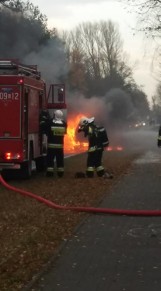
(26, 167)
(26, 170)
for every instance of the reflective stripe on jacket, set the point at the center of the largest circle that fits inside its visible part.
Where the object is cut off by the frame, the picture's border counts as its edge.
(55, 132)
(55, 146)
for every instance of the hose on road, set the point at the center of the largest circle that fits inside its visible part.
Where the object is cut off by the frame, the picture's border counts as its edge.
(94, 210)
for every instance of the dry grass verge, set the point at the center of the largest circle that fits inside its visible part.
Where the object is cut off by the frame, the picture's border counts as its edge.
(30, 232)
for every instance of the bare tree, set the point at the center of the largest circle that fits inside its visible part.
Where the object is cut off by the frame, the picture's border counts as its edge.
(111, 43)
(149, 15)
(102, 57)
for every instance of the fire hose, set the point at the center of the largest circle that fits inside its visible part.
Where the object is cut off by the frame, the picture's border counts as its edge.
(94, 210)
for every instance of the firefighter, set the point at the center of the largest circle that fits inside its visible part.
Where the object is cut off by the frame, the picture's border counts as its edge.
(55, 130)
(44, 120)
(95, 148)
(159, 137)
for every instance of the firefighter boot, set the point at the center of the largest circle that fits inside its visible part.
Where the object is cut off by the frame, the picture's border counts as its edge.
(50, 172)
(100, 171)
(90, 172)
(60, 172)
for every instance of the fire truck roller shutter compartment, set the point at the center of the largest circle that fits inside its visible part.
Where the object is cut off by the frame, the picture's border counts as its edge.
(10, 111)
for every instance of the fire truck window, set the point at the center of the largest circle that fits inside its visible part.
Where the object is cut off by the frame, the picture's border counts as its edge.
(60, 94)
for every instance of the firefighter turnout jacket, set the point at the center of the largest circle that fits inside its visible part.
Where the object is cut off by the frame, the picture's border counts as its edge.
(159, 137)
(97, 137)
(44, 120)
(55, 130)
(95, 149)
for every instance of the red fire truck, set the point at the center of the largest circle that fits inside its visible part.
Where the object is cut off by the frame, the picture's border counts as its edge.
(23, 95)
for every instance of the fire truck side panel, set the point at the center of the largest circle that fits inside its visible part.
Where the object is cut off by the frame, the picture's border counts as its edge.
(33, 111)
(21, 100)
(10, 111)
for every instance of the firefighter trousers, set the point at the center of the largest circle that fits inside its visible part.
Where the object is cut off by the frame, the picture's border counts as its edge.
(94, 162)
(55, 156)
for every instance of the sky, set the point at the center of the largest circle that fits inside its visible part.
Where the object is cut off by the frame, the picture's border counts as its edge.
(67, 14)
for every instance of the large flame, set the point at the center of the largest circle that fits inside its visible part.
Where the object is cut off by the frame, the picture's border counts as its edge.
(71, 142)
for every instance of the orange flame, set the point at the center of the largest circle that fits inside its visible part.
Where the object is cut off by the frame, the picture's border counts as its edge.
(71, 143)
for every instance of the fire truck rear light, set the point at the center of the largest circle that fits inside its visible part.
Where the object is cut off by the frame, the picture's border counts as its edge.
(12, 156)
(7, 156)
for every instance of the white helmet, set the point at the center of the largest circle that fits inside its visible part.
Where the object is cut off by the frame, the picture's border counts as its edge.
(90, 120)
(83, 121)
(58, 114)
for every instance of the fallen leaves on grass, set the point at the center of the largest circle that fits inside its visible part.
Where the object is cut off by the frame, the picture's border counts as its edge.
(31, 233)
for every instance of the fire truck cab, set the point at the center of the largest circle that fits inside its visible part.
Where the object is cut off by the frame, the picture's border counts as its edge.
(22, 98)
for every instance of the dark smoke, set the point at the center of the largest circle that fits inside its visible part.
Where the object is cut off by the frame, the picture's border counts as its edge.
(115, 108)
(119, 106)
(95, 106)
(18, 36)
(51, 61)
(21, 39)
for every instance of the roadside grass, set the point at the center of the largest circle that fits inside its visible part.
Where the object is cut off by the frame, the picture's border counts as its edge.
(31, 233)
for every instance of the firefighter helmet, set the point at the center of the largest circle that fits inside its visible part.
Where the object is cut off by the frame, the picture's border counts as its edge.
(90, 120)
(58, 114)
(83, 121)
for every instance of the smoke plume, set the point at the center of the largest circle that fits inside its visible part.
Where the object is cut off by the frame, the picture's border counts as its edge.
(21, 39)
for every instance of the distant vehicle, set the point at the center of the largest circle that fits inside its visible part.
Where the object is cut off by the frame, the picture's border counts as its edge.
(23, 95)
(138, 125)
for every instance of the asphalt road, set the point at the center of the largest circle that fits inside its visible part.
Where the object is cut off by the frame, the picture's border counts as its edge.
(115, 253)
